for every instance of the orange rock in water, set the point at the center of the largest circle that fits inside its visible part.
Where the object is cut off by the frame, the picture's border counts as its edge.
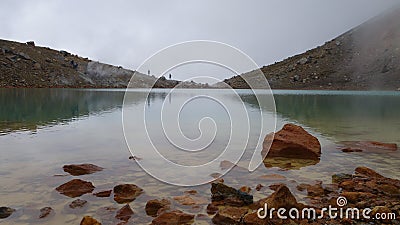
(88, 220)
(292, 142)
(126, 193)
(75, 188)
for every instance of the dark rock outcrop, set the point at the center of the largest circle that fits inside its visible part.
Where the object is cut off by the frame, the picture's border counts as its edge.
(6, 212)
(225, 195)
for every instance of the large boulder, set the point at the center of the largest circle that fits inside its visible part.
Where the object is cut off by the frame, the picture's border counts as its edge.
(75, 188)
(126, 193)
(292, 142)
(81, 169)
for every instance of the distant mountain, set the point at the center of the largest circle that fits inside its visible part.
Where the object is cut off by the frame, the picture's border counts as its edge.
(27, 65)
(364, 58)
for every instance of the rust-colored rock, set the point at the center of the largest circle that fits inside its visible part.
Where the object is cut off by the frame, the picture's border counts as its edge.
(281, 198)
(103, 194)
(315, 190)
(125, 213)
(44, 212)
(126, 193)
(230, 215)
(75, 188)
(153, 206)
(365, 171)
(253, 219)
(212, 209)
(88, 220)
(175, 217)
(81, 169)
(292, 142)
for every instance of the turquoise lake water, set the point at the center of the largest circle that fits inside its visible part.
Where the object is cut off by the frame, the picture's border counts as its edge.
(43, 129)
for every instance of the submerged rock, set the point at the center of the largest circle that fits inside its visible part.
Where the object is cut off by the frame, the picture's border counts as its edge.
(78, 203)
(88, 220)
(292, 142)
(190, 200)
(81, 169)
(367, 146)
(103, 194)
(75, 188)
(44, 212)
(153, 206)
(6, 212)
(175, 217)
(126, 193)
(125, 213)
(229, 196)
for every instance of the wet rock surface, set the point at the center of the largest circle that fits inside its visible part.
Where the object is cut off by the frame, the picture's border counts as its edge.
(153, 206)
(88, 220)
(75, 188)
(230, 215)
(173, 217)
(126, 193)
(225, 195)
(103, 194)
(292, 142)
(6, 212)
(125, 213)
(81, 169)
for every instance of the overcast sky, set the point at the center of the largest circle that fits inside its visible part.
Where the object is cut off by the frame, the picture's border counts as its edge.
(127, 32)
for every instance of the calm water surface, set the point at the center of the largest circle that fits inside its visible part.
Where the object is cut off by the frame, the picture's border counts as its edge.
(43, 129)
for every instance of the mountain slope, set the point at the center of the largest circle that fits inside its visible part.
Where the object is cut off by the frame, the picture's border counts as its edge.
(27, 65)
(364, 58)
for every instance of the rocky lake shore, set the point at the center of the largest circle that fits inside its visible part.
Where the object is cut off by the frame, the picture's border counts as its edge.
(364, 58)
(225, 204)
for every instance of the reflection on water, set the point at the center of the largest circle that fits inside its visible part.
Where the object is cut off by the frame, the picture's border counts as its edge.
(84, 126)
(30, 109)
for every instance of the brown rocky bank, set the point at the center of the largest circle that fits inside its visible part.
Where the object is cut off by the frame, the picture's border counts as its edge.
(363, 58)
(27, 65)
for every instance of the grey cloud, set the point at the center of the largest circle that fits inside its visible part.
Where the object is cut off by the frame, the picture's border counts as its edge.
(127, 32)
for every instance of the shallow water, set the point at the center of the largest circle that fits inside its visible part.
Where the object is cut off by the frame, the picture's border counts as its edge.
(43, 129)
